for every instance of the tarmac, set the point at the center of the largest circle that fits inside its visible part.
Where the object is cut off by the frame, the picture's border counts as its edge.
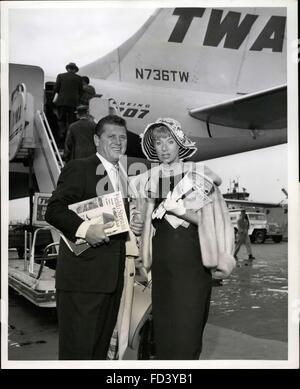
(220, 343)
(248, 316)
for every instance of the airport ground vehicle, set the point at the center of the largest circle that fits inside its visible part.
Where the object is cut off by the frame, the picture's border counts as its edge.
(274, 232)
(259, 228)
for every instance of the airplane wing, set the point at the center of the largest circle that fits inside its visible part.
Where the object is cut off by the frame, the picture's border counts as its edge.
(265, 109)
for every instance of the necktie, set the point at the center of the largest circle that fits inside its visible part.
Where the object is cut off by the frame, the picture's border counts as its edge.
(115, 172)
(122, 186)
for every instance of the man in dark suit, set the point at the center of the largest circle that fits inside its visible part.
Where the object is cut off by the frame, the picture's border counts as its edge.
(89, 286)
(68, 89)
(88, 91)
(80, 136)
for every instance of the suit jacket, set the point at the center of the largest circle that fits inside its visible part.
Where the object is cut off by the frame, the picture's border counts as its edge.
(69, 88)
(80, 140)
(96, 269)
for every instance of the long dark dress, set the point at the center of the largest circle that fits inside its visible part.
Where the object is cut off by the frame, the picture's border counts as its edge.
(181, 291)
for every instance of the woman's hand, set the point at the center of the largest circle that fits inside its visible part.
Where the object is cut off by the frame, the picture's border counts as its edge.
(173, 206)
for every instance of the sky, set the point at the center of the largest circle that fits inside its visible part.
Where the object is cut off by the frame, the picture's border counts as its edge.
(50, 38)
(54, 37)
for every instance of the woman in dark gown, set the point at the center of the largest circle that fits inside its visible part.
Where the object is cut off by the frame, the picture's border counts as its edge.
(181, 285)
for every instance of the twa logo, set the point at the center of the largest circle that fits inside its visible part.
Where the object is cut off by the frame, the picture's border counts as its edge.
(232, 27)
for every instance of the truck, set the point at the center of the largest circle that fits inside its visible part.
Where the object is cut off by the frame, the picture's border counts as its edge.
(259, 228)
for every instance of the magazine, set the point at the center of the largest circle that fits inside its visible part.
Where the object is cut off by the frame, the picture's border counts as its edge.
(101, 209)
(194, 188)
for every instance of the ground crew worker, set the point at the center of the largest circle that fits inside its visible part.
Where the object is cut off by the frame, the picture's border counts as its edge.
(243, 236)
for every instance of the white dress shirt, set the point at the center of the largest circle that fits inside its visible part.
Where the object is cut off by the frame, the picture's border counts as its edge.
(112, 171)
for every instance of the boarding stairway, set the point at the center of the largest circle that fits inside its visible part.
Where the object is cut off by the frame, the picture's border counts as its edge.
(35, 147)
(47, 162)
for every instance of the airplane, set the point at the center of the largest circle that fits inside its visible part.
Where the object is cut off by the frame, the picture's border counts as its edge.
(220, 72)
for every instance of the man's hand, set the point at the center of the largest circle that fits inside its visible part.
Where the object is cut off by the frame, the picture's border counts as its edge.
(136, 223)
(96, 235)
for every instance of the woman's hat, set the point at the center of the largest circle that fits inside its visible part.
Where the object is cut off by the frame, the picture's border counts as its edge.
(72, 65)
(187, 148)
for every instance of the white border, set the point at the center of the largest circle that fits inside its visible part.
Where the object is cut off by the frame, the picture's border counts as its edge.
(293, 188)
(4, 184)
(293, 245)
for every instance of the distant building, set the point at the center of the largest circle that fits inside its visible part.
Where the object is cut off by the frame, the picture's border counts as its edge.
(234, 193)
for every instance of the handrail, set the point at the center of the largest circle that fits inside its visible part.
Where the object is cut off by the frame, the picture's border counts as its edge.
(32, 251)
(50, 135)
(44, 258)
(47, 161)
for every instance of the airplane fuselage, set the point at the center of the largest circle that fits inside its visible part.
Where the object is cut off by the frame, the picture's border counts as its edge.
(141, 105)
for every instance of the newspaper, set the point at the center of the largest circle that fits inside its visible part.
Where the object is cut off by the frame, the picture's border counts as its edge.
(194, 188)
(101, 209)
